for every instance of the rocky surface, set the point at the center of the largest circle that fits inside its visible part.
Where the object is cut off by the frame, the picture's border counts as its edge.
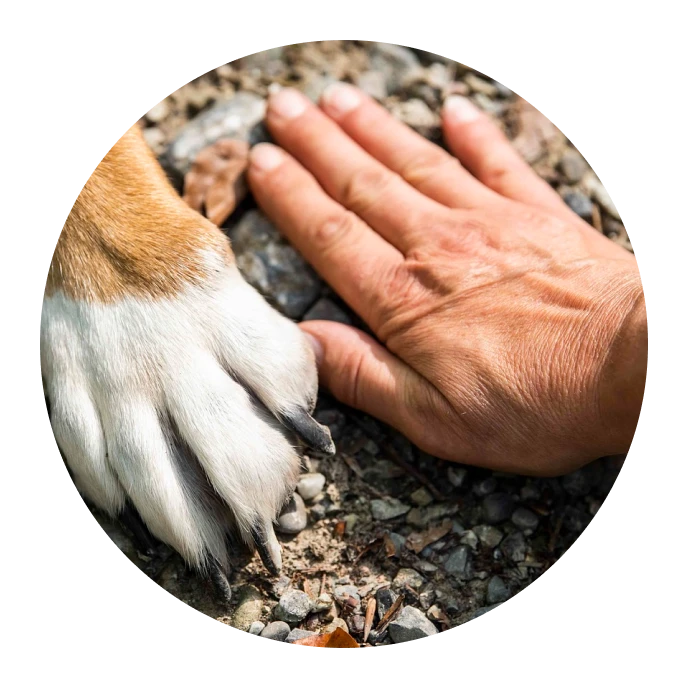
(380, 519)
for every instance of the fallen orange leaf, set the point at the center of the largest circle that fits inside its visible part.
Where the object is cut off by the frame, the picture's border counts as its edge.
(338, 638)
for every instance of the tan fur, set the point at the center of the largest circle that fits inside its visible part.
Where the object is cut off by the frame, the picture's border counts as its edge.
(112, 244)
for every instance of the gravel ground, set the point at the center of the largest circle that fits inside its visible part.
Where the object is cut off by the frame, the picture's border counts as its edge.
(380, 518)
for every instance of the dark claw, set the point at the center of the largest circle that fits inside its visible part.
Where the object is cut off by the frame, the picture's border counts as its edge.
(143, 540)
(309, 431)
(220, 582)
(268, 548)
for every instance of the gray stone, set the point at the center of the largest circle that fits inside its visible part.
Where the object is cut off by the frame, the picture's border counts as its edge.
(573, 166)
(408, 577)
(524, 519)
(324, 309)
(485, 487)
(597, 191)
(310, 485)
(459, 563)
(514, 547)
(298, 634)
(388, 508)
(578, 483)
(343, 593)
(272, 266)
(497, 507)
(236, 118)
(416, 114)
(489, 536)
(457, 476)
(335, 624)
(256, 628)
(497, 591)
(293, 606)
(479, 85)
(579, 203)
(411, 624)
(249, 608)
(158, 112)
(154, 138)
(276, 630)
(293, 518)
(385, 598)
(394, 62)
(373, 83)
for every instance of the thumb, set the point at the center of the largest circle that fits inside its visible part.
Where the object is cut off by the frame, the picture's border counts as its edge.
(362, 373)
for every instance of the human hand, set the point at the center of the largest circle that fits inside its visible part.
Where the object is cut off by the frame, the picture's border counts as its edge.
(512, 335)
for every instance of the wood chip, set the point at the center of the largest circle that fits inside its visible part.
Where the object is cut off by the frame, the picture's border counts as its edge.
(369, 617)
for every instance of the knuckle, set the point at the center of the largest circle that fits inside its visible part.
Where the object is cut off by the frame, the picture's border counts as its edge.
(427, 165)
(364, 187)
(334, 229)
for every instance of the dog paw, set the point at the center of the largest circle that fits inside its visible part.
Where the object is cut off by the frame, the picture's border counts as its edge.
(187, 407)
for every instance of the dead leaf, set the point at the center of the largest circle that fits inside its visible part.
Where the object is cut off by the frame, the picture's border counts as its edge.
(338, 638)
(369, 617)
(419, 541)
(216, 184)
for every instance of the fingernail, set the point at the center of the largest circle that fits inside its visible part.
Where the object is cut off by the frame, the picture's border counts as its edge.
(460, 109)
(288, 103)
(316, 346)
(266, 157)
(341, 98)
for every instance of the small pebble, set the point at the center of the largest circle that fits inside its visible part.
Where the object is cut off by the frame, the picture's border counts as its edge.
(356, 624)
(459, 563)
(427, 598)
(323, 602)
(485, 487)
(421, 497)
(276, 630)
(256, 628)
(158, 112)
(457, 476)
(335, 624)
(525, 519)
(479, 85)
(298, 634)
(579, 203)
(293, 518)
(497, 507)
(385, 598)
(573, 166)
(408, 577)
(343, 593)
(310, 485)
(293, 606)
(469, 538)
(411, 624)
(386, 509)
(497, 591)
(249, 608)
(318, 511)
(514, 547)
(489, 536)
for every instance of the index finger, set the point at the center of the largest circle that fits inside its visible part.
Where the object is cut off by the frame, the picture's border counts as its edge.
(354, 259)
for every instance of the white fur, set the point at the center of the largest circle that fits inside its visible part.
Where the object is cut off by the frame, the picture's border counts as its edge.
(115, 372)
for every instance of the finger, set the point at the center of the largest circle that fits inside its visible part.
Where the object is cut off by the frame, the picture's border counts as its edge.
(346, 172)
(363, 374)
(341, 247)
(484, 150)
(428, 168)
